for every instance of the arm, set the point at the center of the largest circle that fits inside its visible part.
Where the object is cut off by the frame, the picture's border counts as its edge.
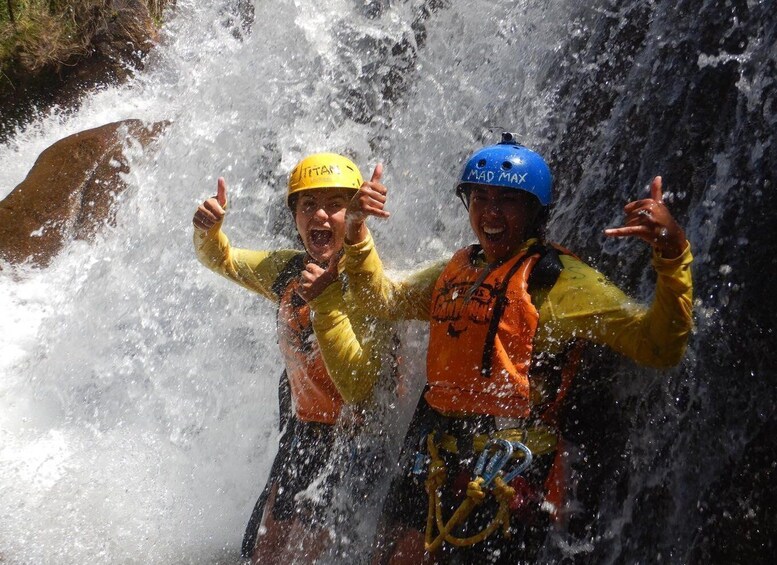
(656, 336)
(354, 346)
(584, 304)
(371, 289)
(410, 299)
(255, 270)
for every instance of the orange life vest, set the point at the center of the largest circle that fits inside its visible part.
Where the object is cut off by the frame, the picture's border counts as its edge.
(481, 336)
(314, 394)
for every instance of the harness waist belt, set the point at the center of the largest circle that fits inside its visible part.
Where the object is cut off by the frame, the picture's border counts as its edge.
(539, 439)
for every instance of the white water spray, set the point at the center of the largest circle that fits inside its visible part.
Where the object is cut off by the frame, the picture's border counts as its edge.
(138, 392)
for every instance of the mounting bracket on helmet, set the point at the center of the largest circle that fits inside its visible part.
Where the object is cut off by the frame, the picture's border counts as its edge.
(508, 137)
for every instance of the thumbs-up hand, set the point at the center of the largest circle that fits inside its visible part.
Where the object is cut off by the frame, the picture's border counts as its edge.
(314, 280)
(650, 220)
(370, 200)
(211, 212)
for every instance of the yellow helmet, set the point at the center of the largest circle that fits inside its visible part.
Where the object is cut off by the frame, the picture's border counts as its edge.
(323, 170)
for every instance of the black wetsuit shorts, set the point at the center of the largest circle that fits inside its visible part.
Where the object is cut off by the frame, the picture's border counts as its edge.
(304, 463)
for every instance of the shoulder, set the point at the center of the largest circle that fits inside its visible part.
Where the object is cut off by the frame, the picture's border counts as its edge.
(430, 273)
(282, 258)
(588, 284)
(577, 270)
(574, 271)
(574, 265)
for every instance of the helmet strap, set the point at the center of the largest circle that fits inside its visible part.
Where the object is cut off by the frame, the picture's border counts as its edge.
(463, 194)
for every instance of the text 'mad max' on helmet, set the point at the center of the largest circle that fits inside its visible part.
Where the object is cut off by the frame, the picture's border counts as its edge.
(323, 170)
(511, 165)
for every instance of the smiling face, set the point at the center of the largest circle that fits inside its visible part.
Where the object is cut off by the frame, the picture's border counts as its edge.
(501, 218)
(320, 217)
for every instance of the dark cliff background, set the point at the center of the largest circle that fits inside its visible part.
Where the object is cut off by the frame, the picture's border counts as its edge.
(686, 90)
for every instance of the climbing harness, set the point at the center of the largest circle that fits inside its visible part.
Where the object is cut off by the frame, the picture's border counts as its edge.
(489, 475)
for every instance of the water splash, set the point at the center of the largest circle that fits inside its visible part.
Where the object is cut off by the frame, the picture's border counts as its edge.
(138, 390)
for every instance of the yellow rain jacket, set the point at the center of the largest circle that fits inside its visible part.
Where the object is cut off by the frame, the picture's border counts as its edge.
(353, 364)
(582, 304)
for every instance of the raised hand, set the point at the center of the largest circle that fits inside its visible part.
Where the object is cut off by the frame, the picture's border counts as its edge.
(650, 220)
(368, 201)
(212, 211)
(314, 280)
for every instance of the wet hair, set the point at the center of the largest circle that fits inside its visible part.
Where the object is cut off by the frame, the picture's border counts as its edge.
(293, 202)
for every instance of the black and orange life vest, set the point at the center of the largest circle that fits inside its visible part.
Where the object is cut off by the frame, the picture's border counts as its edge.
(314, 395)
(483, 324)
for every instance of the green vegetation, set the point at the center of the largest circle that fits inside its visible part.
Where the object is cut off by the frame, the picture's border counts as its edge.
(38, 34)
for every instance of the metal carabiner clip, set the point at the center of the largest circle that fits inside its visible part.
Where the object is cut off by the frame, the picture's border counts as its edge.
(419, 461)
(521, 467)
(489, 468)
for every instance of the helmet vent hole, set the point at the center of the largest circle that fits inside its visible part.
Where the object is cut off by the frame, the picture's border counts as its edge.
(481, 163)
(507, 165)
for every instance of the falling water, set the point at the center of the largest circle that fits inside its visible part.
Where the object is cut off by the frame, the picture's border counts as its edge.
(137, 399)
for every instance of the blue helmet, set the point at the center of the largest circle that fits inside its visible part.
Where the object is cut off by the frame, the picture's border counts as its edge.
(511, 165)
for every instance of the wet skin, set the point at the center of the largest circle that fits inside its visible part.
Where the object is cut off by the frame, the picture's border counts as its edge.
(500, 218)
(319, 215)
(320, 218)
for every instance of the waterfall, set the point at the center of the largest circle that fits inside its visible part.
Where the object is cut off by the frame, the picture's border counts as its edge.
(138, 390)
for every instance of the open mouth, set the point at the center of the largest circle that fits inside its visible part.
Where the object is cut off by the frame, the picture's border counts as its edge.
(493, 233)
(320, 238)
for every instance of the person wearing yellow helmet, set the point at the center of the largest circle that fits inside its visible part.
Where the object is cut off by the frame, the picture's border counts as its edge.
(333, 359)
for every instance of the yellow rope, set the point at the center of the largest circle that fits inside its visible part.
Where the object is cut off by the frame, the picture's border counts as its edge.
(434, 481)
(503, 493)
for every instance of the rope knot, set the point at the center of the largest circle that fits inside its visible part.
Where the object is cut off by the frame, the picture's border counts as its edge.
(475, 490)
(503, 492)
(436, 477)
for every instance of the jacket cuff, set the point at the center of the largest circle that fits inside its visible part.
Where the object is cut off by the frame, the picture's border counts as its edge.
(356, 252)
(665, 266)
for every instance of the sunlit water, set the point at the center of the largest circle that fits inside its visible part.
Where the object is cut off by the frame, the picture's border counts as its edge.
(138, 390)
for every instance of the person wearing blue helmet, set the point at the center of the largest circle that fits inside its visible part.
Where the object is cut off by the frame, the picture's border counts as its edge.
(484, 465)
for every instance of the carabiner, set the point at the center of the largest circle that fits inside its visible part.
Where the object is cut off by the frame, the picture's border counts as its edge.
(527, 458)
(487, 468)
(419, 461)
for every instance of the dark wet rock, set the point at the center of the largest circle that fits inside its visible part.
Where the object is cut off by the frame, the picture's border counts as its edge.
(739, 516)
(69, 192)
(683, 89)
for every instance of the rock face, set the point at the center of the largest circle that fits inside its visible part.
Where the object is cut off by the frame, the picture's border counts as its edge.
(684, 88)
(69, 192)
(114, 42)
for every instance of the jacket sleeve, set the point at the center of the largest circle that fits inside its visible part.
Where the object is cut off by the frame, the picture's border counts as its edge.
(356, 347)
(410, 299)
(254, 270)
(583, 303)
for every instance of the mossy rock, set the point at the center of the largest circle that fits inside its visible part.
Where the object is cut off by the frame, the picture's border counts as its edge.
(52, 56)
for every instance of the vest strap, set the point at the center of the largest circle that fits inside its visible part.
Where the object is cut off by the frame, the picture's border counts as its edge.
(291, 269)
(543, 275)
